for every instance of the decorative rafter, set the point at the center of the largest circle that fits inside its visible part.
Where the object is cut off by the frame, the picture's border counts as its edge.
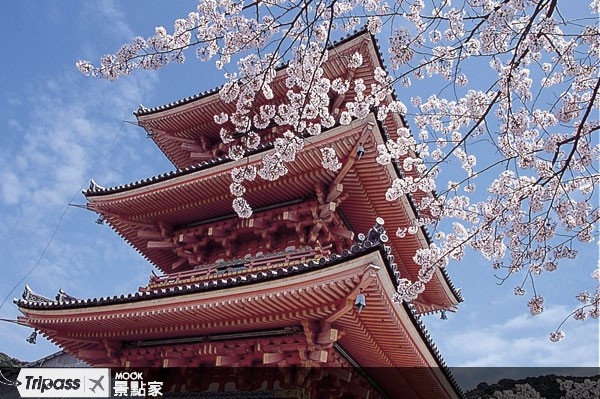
(232, 237)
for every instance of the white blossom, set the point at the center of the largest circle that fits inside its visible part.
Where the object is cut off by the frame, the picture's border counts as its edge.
(355, 61)
(536, 305)
(512, 110)
(556, 336)
(329, 159)
(242, 208)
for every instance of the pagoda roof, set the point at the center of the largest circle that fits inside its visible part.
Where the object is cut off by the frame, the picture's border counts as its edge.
(202, 193)
(31, 300)
(346, 41)
(385, 334)
(181, 129)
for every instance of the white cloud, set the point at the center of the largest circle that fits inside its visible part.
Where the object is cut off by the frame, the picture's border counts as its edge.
(111, 16)
(10, 188)
(520, 341)
(64, 129)
(491, 349)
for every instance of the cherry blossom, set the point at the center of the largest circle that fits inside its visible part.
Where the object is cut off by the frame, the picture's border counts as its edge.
(330, 160)
(572, 389)
(587, 389)
(556, 336)
(520, 391)
(502, 158)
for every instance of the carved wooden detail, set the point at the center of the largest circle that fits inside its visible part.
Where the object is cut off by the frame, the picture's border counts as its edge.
(310, 223)
(322, 372)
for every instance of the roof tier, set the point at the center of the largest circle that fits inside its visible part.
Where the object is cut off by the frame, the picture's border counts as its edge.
(307, 311)
(155, 215)
(187, 133)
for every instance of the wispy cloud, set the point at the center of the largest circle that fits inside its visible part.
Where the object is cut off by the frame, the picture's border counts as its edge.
(519, 341)
(65, 128)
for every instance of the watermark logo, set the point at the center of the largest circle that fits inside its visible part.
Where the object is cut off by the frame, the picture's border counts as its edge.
(132, 384)
(64, 383)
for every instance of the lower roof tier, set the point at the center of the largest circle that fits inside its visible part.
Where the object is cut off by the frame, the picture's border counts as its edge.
(286, 316)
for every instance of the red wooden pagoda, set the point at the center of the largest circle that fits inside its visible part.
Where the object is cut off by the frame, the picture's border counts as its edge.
(279, 288)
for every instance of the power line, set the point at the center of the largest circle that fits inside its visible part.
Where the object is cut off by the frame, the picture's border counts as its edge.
(62, 216)
(39, 259)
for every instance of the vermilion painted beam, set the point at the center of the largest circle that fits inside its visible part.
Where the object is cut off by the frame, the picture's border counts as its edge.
(92, 354)
(318, 356)
(192, 147)
(342, 232)
(179, 263)
(178, 362)
(334, 192)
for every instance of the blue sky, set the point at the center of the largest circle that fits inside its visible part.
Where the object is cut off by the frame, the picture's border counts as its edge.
(59, 129)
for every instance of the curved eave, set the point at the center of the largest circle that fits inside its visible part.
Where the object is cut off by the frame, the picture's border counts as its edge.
(170, 294)
(391, 334)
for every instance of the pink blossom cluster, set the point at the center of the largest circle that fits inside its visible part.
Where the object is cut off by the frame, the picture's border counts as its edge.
(505, 160)
(587, 389)
(520, 391)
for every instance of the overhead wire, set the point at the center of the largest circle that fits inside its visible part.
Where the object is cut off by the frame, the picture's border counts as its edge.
(62, 216)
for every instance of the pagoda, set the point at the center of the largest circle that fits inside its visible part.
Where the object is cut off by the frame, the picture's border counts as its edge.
(306, 283)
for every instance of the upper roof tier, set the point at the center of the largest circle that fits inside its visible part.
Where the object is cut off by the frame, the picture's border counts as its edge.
(187, 133)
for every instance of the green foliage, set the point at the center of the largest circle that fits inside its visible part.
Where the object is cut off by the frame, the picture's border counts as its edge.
(7, 362)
